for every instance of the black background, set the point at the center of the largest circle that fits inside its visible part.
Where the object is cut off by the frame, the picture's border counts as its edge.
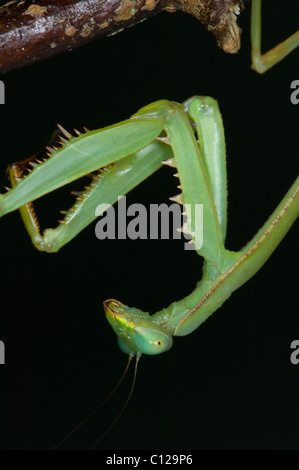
(230, 384)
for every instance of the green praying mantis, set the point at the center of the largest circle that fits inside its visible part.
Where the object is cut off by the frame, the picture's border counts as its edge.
(126, 154)
(133, 152)
(116, 311)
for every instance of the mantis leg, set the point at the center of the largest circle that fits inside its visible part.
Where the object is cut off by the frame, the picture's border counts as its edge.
(106, 187)
(126, 154)
(193, 177)
(78, 157)
(204, 112)
(263, 62)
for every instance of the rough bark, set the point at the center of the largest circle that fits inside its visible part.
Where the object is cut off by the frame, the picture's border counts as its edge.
(33, 30)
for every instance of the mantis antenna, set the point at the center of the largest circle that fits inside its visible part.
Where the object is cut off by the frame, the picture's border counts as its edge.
(123, 408)
(88, 417)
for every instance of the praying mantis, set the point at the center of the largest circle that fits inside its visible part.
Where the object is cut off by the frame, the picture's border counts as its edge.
(174, 279)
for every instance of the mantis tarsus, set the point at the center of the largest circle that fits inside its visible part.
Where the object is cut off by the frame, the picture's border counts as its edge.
(224, 122)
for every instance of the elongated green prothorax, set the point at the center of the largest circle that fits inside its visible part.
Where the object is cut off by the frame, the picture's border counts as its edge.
(189, 137)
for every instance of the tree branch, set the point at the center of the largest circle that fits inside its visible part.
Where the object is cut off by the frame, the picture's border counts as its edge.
(34, 30)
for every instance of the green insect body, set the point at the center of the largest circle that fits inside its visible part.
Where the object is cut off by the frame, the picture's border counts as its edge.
(190, 138)
(224, 271)
(127, 153)
(122, 156)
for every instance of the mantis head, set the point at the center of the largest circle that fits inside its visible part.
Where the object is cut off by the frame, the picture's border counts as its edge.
(136, 332)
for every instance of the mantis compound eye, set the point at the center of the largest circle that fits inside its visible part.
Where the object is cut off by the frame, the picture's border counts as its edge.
(151, 339)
